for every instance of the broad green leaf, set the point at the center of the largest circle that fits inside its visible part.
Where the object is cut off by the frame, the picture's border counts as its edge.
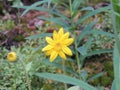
(39, 36)
(66, 79)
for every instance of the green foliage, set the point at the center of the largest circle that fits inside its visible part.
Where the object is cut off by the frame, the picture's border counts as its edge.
(66, 79)
(35, 60)
(7, 25)
(32, 58)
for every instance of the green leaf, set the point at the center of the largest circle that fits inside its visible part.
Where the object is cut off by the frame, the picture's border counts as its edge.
(57, 65)
(116, 63)
(66, 79)
(28, 66)
(95, 52)
(83, 50)
(96, 76)
(113, 85)
(85, 31)
(76, 4)
(100, 88)
(74, 88)
(92, 14)
(84, 75)
(34, 5)
(51, 11)
(17, 3)
(39, 36)
(56, 20)
(87, 8)
(102, 33)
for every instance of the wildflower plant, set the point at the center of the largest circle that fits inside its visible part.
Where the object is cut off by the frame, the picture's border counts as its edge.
(58, 45)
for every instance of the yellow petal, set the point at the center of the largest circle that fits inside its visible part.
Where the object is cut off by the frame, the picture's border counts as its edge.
(65, 36)
(69, 41)
(62, 55)
(67, 51)
(49, 40)
(61, 32)
(48, 53)
(53, 56)
(55, 35)
(48, 47)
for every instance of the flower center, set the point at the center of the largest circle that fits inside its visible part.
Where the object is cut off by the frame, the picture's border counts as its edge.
(58, 47)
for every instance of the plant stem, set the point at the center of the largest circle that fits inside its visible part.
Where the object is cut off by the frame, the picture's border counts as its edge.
(15, 76)
(71, 15)
(77, 56)
(64, 72)
(26, 75)
(70, 4)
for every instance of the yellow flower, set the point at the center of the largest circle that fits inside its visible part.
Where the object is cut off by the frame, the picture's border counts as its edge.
(11, 56)
(58, 45)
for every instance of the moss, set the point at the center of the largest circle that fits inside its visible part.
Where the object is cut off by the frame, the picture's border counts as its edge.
(111, 74)
(96, 81)
(48, 87)
(105, 81)
(108, 65)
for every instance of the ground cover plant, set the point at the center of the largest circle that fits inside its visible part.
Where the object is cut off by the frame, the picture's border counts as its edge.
(60, 45)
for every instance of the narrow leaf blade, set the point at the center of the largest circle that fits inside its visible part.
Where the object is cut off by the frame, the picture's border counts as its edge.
(66, 79)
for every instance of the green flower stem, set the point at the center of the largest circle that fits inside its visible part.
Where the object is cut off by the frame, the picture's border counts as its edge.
(77, 55)
(71, 14)
(70, 4)
(15, 76)
(26, 75)
(64, 72)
